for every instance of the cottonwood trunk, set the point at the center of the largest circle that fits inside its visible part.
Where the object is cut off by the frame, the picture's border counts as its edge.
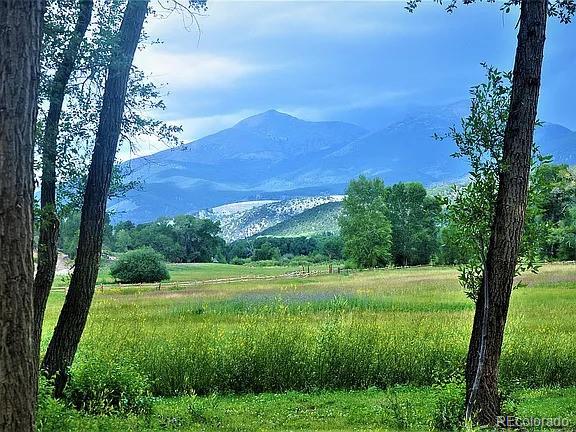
(20, 34)
(74, 314)
(49, 224)
(509, 213)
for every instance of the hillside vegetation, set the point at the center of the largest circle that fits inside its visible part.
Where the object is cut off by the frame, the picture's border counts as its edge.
(315, 221)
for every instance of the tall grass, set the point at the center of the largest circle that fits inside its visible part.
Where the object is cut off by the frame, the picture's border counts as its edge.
(360, 332)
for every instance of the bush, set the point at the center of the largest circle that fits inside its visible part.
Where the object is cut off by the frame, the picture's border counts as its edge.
(101, 387)
(140, 265)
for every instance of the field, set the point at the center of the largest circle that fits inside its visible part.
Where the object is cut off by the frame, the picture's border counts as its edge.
(380, 350)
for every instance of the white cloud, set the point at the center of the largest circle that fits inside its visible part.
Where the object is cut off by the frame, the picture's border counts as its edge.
(198, 127)
(192, 129)
(184, 71)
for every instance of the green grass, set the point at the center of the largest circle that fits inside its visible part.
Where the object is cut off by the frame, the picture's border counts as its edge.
(199, 272)
(398, 408)
(321, 335)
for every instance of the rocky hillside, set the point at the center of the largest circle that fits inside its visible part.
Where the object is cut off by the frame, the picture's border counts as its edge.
(262, 215)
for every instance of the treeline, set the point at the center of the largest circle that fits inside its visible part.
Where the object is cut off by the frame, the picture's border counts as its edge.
(403, 225)
(286, 250)
(180, 239)
(389, 225)
(400, 225)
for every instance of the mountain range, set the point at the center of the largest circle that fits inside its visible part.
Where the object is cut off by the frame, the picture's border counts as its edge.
(274, 156)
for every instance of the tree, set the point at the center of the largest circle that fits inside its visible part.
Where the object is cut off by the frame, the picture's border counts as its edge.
(332, 246)
(74, 314)
(198, 238)
(471, 208)
(364, 224)
(556, 186)
(73, 74)
(482, 396)
(482, 399)
(140, 265)
(161, 237)
(48, 238)
(20, 35)
(414, 217)
(266, 251)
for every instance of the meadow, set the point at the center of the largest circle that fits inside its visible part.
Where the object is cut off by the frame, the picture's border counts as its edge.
(381, 349)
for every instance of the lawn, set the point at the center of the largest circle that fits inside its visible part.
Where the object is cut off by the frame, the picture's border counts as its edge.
(369, 350)
(201, 272)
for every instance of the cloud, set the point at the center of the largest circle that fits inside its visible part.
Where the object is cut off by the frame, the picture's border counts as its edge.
(200, 126)
(185, 71)
(192, 129)
(354, 99)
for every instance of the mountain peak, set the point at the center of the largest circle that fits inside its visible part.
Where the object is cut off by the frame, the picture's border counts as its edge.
(271, 115)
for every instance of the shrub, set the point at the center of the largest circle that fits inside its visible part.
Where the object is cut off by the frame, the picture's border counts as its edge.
(101, 387)
(140, 265)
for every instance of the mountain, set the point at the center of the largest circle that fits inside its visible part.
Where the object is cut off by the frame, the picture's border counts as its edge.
(317, 220)
(276, 157)
(250, 161)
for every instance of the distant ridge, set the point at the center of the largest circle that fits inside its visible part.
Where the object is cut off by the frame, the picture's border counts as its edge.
(276, 156)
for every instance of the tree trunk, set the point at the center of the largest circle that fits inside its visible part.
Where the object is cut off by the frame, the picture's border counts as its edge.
(509, 215)
(20, 35)
(49, 224)
(74, 314)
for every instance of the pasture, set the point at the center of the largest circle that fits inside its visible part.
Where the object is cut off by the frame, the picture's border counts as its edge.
(380, 350)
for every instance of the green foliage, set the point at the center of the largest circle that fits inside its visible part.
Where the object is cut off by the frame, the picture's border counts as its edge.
(84, 92)
(287, 250)
(181, 239)
(266, 252)
(140, 265)
(376, 328)
(70, 231)
(401, 411)
(102, 387)
(449, 410)
(364, 224)
(470, 208)
(555, 203)
(198, 238)
(52, 415)
(322, 410)
(333, 247)
(316, 221)
(414, 217)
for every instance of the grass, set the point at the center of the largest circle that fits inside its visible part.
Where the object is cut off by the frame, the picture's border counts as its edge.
(338, 338)
(394, 409)
(199, 272)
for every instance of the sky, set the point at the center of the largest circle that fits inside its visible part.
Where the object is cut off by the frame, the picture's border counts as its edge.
(366, 62)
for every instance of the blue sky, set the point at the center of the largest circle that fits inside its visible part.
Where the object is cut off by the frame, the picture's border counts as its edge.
(363, 62)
